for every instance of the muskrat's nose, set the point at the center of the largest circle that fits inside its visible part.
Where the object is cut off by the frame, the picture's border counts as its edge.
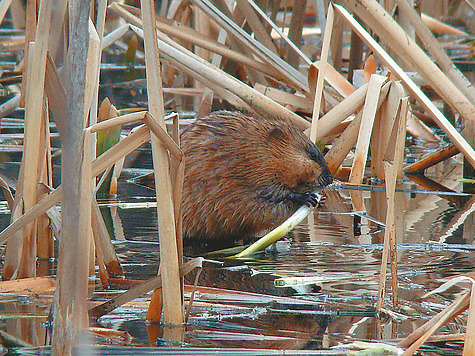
(326, 177)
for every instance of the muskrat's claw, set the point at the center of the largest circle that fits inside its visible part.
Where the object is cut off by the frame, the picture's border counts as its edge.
(309, 199)
(321, 201)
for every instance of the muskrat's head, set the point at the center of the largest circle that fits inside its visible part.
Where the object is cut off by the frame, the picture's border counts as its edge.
(298, 163)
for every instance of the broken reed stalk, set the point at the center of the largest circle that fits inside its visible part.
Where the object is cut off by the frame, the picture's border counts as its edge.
(103, 242)
(206, 101)
(296, 101)
(119, 120)
(140, 290)
(397, 39)
(116, 34)
(343, 110)
(169, 263)
(382, 129)
(30, 33)
(435, 49)
(44, 234)
(432, 159)
(226, 85)
(392, 161)
(34, 103)
(100, 24)
(163, 136)
(466, 211)
(13, 248)
(415, 340)
(366, 127)
(469, 347)
(321, 75)
(260, 33)
(291, 75)
(135, 139)
(332, 77)
(295, 31)
(56, 95)
(70, 310)
(389, 233)
(336, 155)
(425, 102)
(4, 6)
(288, 40)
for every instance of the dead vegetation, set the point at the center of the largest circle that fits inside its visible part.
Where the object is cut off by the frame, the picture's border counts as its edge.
(206, 53)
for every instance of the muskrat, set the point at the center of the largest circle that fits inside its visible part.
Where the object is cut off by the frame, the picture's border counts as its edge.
(246, 175)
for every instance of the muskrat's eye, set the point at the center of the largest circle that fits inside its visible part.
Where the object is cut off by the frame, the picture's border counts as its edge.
(313, 155)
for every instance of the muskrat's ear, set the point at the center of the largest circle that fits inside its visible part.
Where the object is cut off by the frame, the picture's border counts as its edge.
(276, 133)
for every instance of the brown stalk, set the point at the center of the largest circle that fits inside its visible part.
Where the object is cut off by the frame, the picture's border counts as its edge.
(432, 159)
(198, 68)
(99, 165)
(321, 74)
(260, 33)
(237, 44)
(291, 75)
(398, 40)
(172, 298)
(469, 347)
(415, 340)
(439, 118)
(103, 242)
(30, 34)
(340, 112)
(140, 290)
(368, 115)
(435, 49)
(207, 98)
(4, 6)
(70, 310)
(57, 23)
(336, 44)
(295, 31)
(347, 139)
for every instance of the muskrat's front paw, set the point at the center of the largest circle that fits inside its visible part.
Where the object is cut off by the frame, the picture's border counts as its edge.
(321, 201)
(310, 199)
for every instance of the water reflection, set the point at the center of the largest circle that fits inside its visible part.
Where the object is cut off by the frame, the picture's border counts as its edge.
(330, 262)
(340, 246)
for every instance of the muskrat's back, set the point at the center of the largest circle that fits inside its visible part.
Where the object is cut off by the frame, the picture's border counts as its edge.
(245, 175)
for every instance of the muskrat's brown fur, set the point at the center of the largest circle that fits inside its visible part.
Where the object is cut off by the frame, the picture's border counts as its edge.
(245, 175)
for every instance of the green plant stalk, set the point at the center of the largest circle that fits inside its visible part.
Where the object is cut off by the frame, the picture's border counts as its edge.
(278, 232)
